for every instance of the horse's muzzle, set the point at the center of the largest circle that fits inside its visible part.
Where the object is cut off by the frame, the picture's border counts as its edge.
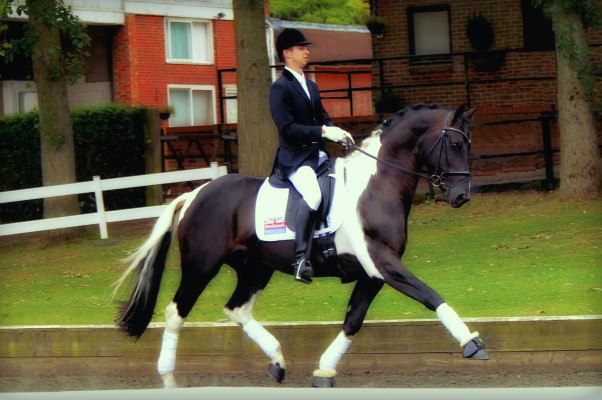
(459, 194)
(456, 195)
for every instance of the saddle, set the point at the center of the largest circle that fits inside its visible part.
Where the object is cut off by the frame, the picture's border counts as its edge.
(325, 181)
(278, 202)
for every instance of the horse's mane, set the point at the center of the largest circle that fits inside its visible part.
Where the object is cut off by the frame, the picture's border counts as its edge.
(405, 113)
(387, 125)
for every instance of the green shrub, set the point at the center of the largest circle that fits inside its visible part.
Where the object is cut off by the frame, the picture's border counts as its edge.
(109, 142)
(20, 165)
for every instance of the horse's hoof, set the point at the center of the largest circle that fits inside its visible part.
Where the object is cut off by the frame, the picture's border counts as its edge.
(320, 382)
(276, 372)
(475, 350)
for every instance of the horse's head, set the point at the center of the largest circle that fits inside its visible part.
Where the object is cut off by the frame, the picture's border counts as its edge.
(444, 152)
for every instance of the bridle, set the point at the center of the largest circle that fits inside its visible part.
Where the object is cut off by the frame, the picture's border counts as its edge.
(438, 176)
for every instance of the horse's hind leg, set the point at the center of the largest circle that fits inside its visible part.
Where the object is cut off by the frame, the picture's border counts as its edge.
(252, 279)
(196, 275)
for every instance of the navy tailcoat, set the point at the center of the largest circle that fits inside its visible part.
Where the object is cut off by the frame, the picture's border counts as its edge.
(299, 120)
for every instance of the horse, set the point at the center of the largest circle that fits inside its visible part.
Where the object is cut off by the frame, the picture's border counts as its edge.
(215, 225)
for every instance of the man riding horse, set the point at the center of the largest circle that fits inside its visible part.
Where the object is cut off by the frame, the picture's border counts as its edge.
(303, 125)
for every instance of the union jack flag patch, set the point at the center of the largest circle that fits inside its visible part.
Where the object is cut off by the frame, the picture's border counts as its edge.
(274, 226)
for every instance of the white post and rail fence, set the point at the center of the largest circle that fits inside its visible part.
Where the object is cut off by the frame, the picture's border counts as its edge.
(97, 186)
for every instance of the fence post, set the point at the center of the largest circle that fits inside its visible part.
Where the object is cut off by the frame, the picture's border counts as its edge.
(153, 156)
(100, 208)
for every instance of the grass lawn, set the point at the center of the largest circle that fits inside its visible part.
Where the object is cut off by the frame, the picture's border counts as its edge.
(504, 254)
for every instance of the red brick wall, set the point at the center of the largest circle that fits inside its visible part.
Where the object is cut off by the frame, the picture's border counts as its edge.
(500, 95)
(141, 73)
(486, 89)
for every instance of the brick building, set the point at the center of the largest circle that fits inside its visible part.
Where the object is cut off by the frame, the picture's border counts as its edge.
(426, 54)
(171, 52)
(139, 55)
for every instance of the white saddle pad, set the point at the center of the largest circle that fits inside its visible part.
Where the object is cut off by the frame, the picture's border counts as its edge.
(270, 212)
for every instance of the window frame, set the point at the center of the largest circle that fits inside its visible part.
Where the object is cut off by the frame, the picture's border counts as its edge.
(230, 104)
(428, 59)
(208, 26)
(191, 89)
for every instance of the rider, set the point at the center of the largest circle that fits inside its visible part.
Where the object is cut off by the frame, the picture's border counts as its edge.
(303, 125)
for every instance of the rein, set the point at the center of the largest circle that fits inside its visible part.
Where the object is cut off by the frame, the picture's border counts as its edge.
(435, 179)
(390, 164)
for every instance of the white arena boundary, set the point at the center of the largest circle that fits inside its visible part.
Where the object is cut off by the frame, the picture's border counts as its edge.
(254, 393)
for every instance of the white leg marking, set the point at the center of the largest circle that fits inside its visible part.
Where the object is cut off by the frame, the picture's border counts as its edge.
(331, 357)
(266, 341)
(454, 324)
(167, 357)
(256, 332)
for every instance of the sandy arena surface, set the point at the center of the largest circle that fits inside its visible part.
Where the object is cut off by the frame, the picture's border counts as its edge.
(565, 376)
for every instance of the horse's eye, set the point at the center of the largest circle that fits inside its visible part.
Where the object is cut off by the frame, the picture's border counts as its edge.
(456, 146)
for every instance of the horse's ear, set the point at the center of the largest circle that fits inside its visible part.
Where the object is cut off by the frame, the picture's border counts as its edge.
(459, 113)
(468, 114)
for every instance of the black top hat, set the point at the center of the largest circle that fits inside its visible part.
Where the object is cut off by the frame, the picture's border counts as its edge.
(288, 38)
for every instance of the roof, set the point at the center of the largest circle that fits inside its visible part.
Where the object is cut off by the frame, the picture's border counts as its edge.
(332, 42)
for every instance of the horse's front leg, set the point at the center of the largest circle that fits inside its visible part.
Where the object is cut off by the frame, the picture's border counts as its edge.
(364, 292)
(399, 277)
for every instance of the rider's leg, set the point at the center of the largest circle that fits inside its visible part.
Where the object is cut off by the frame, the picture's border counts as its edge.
(306, 183)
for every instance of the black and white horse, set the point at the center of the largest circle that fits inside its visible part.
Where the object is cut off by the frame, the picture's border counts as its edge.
(216, 225)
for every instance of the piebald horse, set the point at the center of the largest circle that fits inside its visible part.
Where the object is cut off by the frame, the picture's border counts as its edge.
(215, 225)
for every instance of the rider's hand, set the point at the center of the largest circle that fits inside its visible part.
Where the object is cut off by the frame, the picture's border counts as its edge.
(336, 134)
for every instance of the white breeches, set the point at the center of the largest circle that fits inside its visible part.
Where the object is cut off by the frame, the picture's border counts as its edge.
(306, 182)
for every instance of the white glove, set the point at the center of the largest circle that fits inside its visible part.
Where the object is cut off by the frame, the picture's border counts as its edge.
(336, 134)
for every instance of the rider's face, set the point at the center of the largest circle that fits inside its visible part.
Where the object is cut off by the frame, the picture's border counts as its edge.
(297, 56)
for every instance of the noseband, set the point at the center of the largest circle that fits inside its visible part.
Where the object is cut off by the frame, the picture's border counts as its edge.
(438, 176)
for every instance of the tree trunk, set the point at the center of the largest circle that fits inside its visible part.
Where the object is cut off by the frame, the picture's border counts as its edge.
(581, 168)
(56, 131)
(257, 135)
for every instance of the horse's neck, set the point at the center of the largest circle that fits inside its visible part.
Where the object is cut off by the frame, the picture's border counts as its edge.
(360, 168)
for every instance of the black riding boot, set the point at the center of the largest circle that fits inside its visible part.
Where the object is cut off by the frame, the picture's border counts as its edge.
(306, 223)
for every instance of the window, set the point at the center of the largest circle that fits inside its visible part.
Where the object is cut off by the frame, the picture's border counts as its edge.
(231, 104)
(429, 32)
(193, 105)
(537, 29)
(189, 42)
(18, 96)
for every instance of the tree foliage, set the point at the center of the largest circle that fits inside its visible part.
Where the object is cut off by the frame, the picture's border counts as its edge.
(57, 16)
(347, 12)
(56, 40)
(576, 53)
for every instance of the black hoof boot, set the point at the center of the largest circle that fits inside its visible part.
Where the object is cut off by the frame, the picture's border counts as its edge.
(276, 372)
(475, 349)
(303, 271)
(320, 382)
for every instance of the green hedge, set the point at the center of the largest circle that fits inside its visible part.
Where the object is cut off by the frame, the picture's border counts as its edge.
(109, 142)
